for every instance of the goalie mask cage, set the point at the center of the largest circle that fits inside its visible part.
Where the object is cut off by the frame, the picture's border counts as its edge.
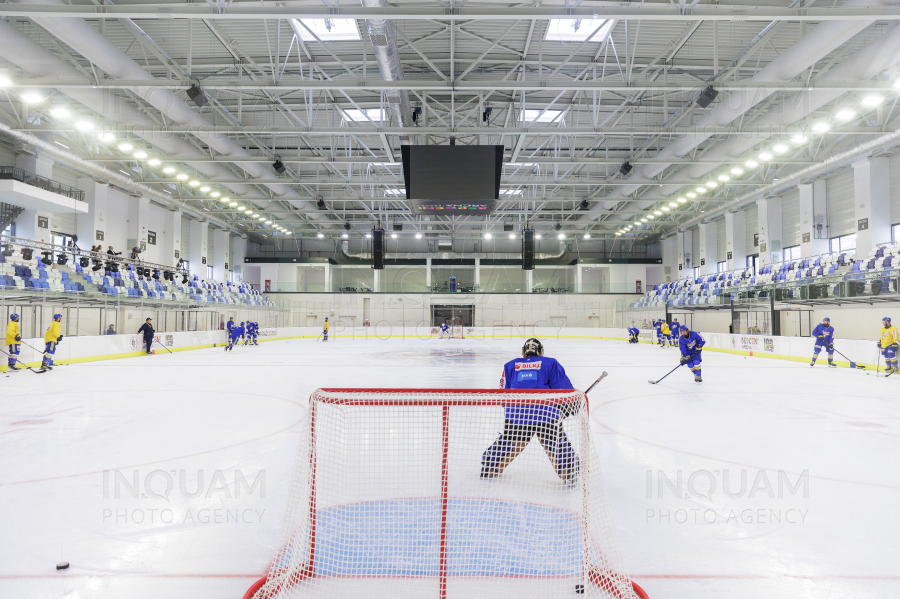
(388, 500)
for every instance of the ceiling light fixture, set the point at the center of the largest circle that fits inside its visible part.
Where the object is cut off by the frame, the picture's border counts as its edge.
(320, 235)
(182, 177)
(712, 184)
(844, 115)
(673, 205)
(169, 170)
(487, 235)
(125, 147)
(737, 171)
(666, 209)
(140, 154)
(821, 127)
(723, 178)
(751, 164)
(60, 112)
(681, 200)
(154, 162)
(561, 236)
(32, 98)
(798, 140)
(657, 213)
(691, 195)
(204, 189)
(765, 156)
(194, 183)
(872, 101)
(779, 149)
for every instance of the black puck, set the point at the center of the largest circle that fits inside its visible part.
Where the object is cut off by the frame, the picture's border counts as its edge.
(579, 588)
(62, 566)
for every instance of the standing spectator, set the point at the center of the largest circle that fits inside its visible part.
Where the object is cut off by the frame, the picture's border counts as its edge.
(113, 253)
(111, 330)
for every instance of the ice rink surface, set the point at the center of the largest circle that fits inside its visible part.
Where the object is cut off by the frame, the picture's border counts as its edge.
(166, 476)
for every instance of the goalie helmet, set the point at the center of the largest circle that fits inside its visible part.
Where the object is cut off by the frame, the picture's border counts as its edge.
(532, 347)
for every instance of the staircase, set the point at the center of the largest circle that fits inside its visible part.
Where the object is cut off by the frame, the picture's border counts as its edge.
(8, 214)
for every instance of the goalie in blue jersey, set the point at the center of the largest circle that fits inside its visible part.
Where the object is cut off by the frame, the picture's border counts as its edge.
(533, 371)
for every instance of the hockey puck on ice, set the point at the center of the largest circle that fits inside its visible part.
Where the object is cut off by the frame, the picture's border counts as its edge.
(579, 588)
(62, 566)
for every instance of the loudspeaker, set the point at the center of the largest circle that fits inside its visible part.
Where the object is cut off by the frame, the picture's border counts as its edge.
(378, 249)
(528, 249)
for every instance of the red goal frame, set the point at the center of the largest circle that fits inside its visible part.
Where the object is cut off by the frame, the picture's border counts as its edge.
(603, 579)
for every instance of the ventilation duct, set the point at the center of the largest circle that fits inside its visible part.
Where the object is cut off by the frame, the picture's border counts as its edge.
(808, 50)
(861, 66)
(381, 34)
(86, 40)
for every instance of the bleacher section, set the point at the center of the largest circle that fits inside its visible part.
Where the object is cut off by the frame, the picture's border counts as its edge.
(829, 275)
(19, 274)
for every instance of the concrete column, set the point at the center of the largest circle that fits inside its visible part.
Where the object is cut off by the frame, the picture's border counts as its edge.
(685, 260)
(813, 219)
(477, 272)
(138, 209)
(709, 239)
(328, 277)
(770, 249)
(39, 164)
(170, 252)
(735, 239)
(377, 279)
(872, 192)
(428, 274)
(529, 280)
(92, 227)
(577, 278)
(199, 241)
(34, 224)
(221, 261)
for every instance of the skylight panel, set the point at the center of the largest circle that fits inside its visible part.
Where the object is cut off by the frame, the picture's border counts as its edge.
(365, 115)
(550, 116)
(578, 30)
(329, 30)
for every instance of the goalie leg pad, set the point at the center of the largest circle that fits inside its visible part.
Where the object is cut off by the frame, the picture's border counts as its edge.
(509, 444)
(557, 445)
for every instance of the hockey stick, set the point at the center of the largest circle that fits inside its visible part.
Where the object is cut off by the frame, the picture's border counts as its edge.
(852, 363)
(24, 364)
(602, 376)
(667, 374)
(878, 366)
(161, 345)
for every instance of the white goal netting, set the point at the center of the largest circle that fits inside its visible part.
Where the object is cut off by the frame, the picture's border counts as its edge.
(456, 332)
(404, 493)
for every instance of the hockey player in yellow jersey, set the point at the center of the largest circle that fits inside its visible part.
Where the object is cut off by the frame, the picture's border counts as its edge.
(889, 343)
(52, 339)
(13, 343)
(666, 337)
(325, 330)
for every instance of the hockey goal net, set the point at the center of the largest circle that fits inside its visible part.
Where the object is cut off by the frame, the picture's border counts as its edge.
(417, 493)
(456, 331)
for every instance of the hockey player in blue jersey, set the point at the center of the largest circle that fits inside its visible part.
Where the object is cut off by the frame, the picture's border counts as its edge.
(236, 333)
(229, 325)
(824, 334)
(254, 333)
(674, 332)
(445, 331)
(660, 340)
(634, 332)
(533, 371)
(691, 344)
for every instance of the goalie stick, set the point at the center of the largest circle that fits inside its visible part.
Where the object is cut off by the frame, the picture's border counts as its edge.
(161, 345)
(602, 376)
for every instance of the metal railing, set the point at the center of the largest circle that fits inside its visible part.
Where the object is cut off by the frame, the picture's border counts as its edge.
(17, 174)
